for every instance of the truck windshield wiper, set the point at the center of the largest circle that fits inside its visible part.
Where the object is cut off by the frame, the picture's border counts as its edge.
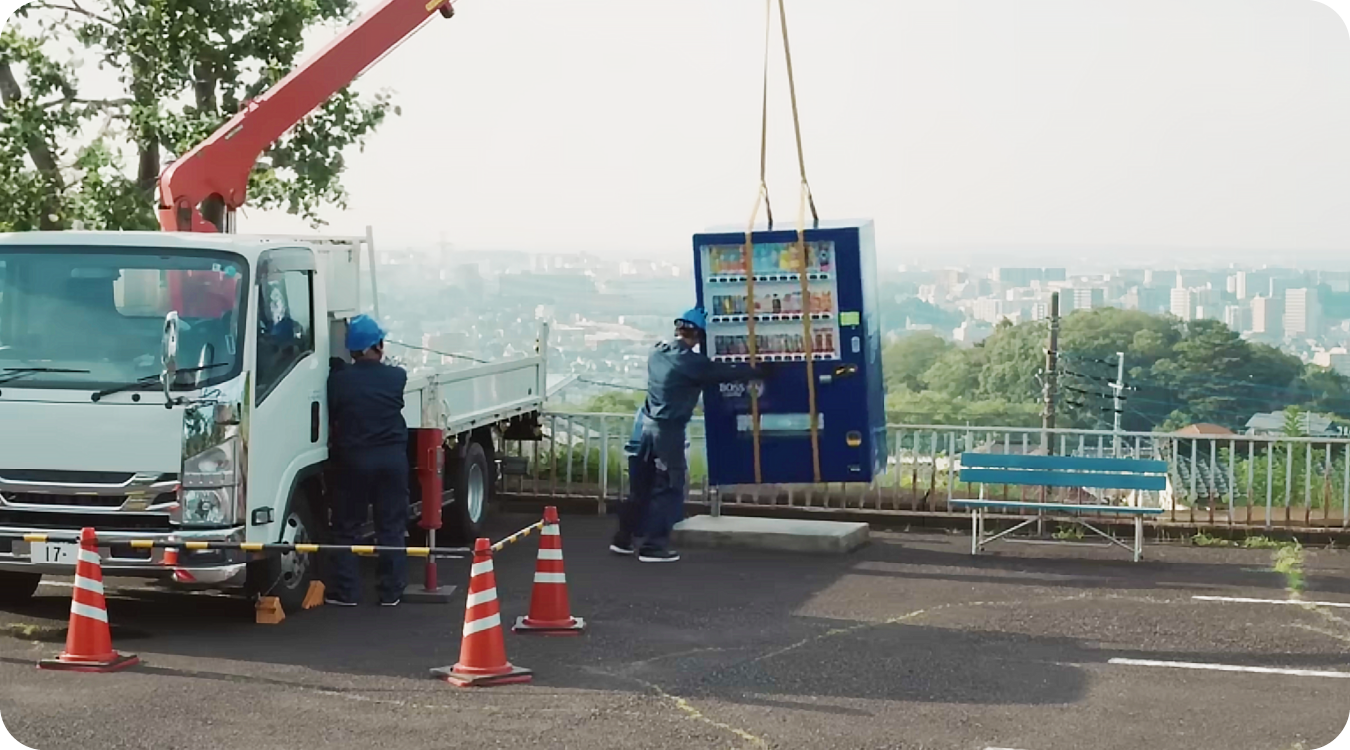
(14, 373)
(149, 380)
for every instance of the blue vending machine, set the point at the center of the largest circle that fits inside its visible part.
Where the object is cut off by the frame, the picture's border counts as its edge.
(841, 335)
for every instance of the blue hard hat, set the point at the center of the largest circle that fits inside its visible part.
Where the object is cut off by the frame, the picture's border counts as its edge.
(362, 333)
(694, 317)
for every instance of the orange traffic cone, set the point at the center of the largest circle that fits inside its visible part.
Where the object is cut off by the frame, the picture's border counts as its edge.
(482, 653)
(179, 575)
(89, 640)
(550, 613)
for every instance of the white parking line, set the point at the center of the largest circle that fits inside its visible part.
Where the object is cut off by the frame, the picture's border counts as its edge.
(1245, 600)
(1228, 668)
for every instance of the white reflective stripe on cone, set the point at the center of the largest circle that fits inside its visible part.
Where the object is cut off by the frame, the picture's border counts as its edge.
(84, 610)
(482, 597)
(550, 554)
(550, 578)
(89, 557)
(551, 531)
(89, 584)
(477, 626)
(479, 569)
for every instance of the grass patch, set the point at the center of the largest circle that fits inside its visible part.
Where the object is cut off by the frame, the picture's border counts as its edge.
(1204, 539)
(1069, 532)
(31, 631)
(1264, 542)
(1288, 562)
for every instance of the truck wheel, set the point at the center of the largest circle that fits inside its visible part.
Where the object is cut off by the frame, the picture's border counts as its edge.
(472, 482)
(287, 576)
(18, 588)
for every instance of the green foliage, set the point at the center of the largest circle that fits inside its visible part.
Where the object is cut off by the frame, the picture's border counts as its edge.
(906, 361)
(1183, 373)
(616, 402)
(898, 306)
(185, 67)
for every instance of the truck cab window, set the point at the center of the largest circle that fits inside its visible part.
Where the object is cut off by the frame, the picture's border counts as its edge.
(285, 330)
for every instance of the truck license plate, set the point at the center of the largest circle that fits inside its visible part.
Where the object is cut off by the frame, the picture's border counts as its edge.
(54, 553)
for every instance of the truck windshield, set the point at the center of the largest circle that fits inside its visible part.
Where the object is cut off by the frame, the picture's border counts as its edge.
(92, 318)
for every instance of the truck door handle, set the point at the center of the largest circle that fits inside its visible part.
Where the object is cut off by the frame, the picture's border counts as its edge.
(314, 421)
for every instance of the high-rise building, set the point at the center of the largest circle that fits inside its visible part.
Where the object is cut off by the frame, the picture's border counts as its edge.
(1267, 316)
(1088, 298)
(1302, 313)
(1337, 359)
(1236, 317)
(1015, 277)
(988, 309)
(1182, 303)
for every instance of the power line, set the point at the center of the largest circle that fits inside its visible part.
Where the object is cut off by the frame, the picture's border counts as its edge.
(437, 351)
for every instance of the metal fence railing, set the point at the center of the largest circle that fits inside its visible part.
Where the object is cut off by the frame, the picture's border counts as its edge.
(1256, 482)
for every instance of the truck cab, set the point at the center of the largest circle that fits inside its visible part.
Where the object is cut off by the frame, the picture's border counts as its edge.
(172, 386)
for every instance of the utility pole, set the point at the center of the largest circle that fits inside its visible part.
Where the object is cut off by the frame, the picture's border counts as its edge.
(1117, 388)
(1051, 366)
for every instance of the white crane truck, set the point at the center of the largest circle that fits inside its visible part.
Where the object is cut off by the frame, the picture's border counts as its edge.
(143, 393)
(172, 385)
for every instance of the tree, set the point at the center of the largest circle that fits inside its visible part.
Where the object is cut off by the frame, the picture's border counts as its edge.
(616, 402)
(184, 67)
(905, 361)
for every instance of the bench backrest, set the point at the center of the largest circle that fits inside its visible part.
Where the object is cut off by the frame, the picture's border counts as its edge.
(1064, 471)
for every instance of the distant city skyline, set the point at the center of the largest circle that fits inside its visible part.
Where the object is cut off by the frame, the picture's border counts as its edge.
(1036, 128)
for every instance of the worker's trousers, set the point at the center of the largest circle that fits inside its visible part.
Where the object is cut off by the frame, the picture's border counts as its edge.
(657, 474)
(373, 476)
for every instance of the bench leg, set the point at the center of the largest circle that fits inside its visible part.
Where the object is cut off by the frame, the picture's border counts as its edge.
(1138, 538)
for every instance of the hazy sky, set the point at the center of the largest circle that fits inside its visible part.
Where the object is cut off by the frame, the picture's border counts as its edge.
(622, 127)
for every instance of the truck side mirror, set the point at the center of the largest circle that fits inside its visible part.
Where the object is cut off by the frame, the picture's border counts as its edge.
(169, 355)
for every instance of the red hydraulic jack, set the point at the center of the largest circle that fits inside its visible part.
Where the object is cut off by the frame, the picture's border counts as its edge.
(429, 465)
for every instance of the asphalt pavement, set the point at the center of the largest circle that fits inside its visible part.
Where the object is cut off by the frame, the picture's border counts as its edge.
(908, 643)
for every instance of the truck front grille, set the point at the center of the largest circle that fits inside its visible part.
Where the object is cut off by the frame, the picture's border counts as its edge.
(58, 520)
(75, 501)
(109, 478)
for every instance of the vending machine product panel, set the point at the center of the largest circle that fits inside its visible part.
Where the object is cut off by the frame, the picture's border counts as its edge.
(842, 341)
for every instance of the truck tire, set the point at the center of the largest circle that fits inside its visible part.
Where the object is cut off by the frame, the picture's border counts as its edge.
(18, 588)
(472, 480)
(287, 575)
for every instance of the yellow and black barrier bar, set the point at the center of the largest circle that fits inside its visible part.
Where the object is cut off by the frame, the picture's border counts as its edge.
(518, 536)
(358, 549)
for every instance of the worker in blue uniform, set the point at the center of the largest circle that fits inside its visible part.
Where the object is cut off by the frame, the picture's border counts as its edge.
(370, 445)
(677, 372)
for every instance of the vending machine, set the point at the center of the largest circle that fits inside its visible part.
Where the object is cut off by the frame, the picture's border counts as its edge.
(821, 339)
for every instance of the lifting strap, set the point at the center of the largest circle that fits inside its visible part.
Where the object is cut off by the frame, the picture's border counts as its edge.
(806, 200)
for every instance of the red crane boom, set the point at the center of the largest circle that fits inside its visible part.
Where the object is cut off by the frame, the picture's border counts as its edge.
(218, 168)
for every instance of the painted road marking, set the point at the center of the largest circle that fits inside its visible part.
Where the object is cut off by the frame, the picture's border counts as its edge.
(1245, 600)
(1228, 668)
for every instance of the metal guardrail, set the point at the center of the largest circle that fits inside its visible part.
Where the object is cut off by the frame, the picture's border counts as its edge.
(1241, 481)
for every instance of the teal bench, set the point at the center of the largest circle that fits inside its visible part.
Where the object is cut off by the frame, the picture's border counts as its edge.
(1059, 471)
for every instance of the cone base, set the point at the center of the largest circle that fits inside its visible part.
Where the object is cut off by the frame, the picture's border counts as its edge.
(75, 664)
(570, 626)
(513, 676)
(441, 595)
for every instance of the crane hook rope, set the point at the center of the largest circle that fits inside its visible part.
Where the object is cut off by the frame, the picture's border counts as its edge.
(807, 200)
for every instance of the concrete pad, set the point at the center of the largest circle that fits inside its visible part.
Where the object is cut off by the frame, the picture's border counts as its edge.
(788, 535)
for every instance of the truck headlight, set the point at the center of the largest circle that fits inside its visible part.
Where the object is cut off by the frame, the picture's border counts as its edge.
(207, 507)
(210, 493)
